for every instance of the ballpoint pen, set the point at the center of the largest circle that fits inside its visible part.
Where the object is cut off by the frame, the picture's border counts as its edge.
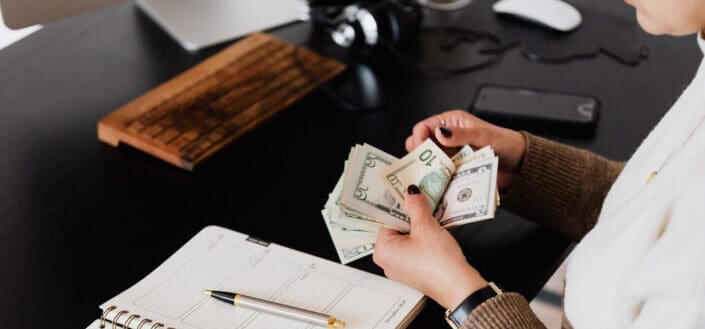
(286, 311)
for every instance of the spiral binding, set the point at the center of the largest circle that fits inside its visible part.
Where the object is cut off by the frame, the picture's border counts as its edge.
(118, 315)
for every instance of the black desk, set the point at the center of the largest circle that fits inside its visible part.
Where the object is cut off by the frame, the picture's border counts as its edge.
(81, 221)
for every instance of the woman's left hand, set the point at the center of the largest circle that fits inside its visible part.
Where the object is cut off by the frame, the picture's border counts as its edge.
(428, 259)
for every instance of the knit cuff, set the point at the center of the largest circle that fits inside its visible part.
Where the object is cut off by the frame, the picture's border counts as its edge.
(508, 310)
(560, 186)
(548, 182)
(548, 174)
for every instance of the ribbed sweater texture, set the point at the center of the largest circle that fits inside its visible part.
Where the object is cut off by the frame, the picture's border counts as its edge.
(562, 188)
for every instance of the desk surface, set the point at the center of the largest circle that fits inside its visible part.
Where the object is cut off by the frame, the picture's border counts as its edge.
(81, 221)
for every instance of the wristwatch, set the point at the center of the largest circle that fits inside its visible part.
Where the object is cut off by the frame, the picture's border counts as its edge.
(456, 317)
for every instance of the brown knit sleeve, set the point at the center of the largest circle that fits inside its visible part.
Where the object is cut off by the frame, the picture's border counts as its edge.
(561, 186)
(508, 310)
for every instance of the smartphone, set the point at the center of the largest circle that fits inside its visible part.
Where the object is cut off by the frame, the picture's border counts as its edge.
(526, 108)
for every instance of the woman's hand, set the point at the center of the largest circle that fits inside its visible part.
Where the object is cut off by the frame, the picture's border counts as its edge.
(428, 258)
(453, 129)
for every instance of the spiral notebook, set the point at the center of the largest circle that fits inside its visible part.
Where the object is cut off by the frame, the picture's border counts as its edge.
(220, 259)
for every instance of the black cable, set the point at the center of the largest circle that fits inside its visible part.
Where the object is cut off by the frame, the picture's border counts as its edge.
(341, 101)
(462, 34)
(321, 85)
(468, 36)
(459, 35)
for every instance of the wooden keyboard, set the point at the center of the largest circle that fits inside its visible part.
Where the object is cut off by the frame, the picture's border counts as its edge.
(202, 110)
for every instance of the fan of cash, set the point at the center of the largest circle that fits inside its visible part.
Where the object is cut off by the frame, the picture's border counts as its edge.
(370, 193)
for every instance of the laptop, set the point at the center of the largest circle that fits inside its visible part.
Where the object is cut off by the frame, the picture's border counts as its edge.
(194, 24)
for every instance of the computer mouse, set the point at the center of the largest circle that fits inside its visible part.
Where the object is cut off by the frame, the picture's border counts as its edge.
(554, 14)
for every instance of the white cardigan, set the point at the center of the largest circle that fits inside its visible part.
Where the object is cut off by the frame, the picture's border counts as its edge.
(643, 265)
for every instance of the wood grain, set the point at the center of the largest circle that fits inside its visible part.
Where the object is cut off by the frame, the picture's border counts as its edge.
(199, 112)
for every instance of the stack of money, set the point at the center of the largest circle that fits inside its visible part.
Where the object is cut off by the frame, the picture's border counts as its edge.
(370, 193)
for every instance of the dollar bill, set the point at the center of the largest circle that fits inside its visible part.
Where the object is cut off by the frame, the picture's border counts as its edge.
(354, 253)
(363, 192)
(466, 154)
(471, 194)
(483, 153)
(364, 197)
(427, 167)
(462, 155)
(348, 247)
(350, 219)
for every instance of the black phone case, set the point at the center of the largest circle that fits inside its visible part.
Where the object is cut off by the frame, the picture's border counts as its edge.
(577, 126)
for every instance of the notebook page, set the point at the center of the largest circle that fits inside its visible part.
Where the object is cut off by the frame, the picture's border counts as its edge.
(220, 259)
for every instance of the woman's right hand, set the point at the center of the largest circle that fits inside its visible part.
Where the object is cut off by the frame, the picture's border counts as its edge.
(454, 129)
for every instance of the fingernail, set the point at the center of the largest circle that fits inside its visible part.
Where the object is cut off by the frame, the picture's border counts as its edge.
(413, 189)
(445, 132)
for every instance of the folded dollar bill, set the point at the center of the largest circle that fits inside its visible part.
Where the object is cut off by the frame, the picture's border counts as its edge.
(427, 167)
(370, 193)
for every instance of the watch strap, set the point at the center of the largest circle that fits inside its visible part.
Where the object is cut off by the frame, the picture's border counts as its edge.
(462, 311)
